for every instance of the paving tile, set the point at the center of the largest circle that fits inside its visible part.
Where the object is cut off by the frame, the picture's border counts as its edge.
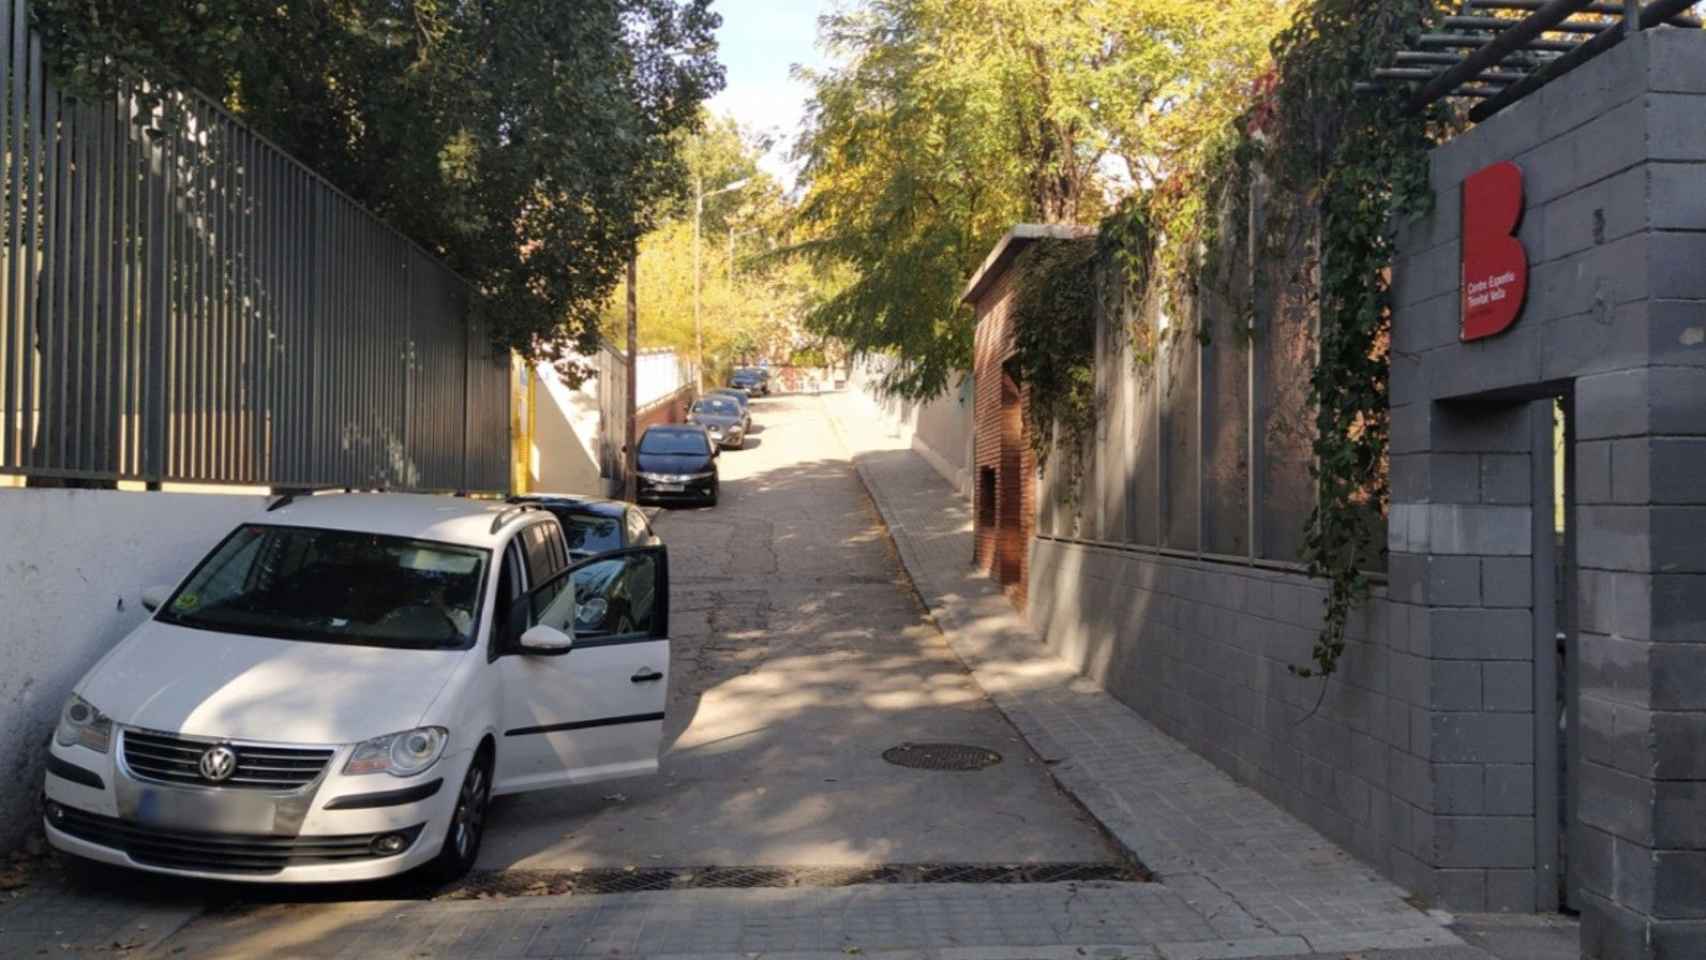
(1225, 847)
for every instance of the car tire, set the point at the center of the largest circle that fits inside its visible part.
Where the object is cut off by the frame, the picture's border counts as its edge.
(712, 500)
(467, 822)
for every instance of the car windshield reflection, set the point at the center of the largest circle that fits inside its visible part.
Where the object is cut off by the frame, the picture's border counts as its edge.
(334, 586)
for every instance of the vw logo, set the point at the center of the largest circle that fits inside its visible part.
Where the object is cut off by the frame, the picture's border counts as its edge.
(218, 763)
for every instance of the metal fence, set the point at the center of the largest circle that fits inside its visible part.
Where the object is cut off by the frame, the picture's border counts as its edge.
(180, 300)
(662, 376)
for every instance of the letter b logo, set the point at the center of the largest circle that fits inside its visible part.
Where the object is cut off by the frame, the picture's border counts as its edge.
(1495, 266)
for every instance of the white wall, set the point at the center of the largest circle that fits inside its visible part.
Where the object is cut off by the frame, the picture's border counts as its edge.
(940, 430)
(565, 454)
(571, 439)
(657, 374)
(73, 564)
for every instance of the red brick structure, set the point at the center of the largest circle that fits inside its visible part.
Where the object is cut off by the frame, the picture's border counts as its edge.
(1004, 478)
(670, 409)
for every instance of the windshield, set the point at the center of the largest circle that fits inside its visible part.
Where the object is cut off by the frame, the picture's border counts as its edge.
(589, 534)
(673, 441)
(334, 586)
(717, 408)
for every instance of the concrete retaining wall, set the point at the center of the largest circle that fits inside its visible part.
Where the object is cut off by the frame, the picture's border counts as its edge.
(73, 565)
(1202, 650)
(1614, 225)
(940, 430)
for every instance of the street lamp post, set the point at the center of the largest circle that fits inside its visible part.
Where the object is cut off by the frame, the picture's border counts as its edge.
(699, 196)
(630, 459)
(733, 233)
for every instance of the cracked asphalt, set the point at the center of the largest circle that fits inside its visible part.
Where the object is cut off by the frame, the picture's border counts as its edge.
(800, 653)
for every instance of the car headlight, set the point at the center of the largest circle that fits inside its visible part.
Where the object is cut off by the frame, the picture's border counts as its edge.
(399, 754)
(81, 723)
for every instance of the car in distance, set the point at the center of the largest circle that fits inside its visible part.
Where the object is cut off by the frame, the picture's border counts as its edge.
(738, 396)
(754, 380)
(722, 418)
(676, 463)
(595, 525)
(338, 689)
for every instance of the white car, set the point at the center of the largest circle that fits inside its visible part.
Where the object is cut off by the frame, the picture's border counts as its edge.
(338, 689)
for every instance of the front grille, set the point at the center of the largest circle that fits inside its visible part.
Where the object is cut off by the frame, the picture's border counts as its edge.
(218, 852)
(167, 759)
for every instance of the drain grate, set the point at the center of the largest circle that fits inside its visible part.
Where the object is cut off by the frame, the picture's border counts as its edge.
(941, 756)
(528, 883)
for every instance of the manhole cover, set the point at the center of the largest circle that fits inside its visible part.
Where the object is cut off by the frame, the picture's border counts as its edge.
(941, 756)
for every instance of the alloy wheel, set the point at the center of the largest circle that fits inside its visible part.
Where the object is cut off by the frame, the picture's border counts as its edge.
(470, 817)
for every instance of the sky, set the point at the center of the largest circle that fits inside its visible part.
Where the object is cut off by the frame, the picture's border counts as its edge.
(761, 41)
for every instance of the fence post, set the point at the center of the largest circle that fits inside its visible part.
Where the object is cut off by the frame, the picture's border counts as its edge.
(1257, 448)
(630, 408)
(468, 389)
(156, 312)
(407, 466)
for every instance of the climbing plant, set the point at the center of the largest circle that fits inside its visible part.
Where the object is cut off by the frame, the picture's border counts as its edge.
(1360, 160)
(1365, 159)
(1053, 316)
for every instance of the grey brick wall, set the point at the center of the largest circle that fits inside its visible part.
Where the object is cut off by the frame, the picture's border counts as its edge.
(1201, 649)
(1614, 157)
(1462, 567)
(1433, 753)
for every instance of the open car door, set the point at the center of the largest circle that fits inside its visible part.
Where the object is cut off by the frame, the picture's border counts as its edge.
(586, 703)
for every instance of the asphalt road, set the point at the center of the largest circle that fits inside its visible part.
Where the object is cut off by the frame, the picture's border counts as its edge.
(800, 654)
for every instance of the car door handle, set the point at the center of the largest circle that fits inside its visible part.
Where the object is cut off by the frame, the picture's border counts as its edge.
(646, 675)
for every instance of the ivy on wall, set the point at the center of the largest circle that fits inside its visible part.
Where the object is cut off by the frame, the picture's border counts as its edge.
(1366, 160)
(1360, 162)
(1054, 338)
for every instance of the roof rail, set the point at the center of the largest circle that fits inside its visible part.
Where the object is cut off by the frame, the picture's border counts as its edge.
(510, 513)
(289, 495)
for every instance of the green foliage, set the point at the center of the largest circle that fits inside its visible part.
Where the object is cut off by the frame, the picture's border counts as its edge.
(1054, 348)
(951, 120)
(1366, 160)
(751, 300)
(528, 142)
(809, 357)
(1361, 161)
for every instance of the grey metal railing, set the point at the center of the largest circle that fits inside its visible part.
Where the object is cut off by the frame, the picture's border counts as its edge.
(180, 300)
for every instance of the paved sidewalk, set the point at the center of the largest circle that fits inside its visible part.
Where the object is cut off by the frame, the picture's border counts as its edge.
(50, 917)
(1262, 877)
(940, 922)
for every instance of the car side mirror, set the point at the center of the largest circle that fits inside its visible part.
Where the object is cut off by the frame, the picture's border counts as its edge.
(153, 598)
(546, 641)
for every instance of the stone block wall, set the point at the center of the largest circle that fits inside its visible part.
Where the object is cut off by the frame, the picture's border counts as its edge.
(1435, 753)
(1462, 566)
(1202, 649)
(1614, 158)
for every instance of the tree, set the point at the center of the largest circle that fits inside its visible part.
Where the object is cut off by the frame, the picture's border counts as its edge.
(950, 120)
(752, 301)
(527, 142)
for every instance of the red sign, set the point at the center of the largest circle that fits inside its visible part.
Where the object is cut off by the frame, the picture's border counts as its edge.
(1495, 266)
